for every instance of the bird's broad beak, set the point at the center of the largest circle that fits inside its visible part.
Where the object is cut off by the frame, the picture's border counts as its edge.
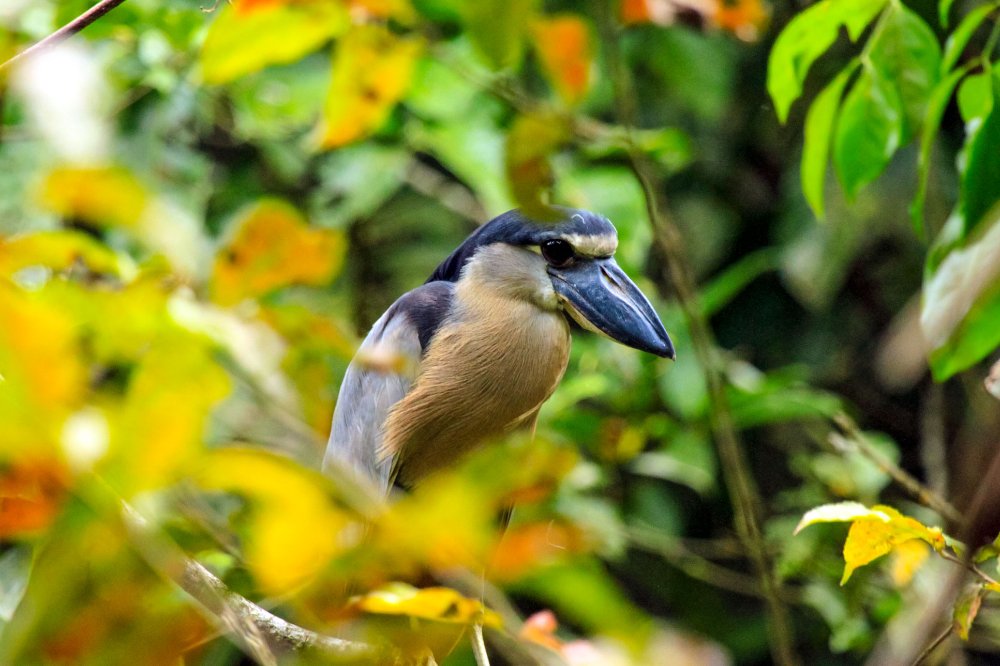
(600, 297)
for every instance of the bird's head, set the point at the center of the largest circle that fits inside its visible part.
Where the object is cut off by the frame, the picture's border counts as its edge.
(573, 259)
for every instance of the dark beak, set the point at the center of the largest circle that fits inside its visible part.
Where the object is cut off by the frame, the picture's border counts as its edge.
(601, 298)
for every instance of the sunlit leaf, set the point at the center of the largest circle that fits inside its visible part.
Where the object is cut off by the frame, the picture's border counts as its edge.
(271, 246)
(372, 70)
(530, 143)
(565, 48)
(907, 558)
(297, 528)
(873, 533)
(807, 37)
(248, 36)
(440, 604)
(97, 195)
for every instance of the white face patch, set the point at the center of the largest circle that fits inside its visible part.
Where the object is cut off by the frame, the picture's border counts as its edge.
(602, 245)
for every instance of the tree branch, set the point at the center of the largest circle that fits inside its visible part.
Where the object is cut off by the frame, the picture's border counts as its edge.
(732, 458)
(260, 633)
(65, 32)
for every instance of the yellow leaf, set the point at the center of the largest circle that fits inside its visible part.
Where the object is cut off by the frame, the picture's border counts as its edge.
(58, 250)
(273, 246)
(565, 50)
(443, 523)
(372, 70)
(906, 559)
(874, 532)
(165, 415)
(530, 143)
(42, 377)
(249, 36)
(440, 604)
(97, 195)
(297, 528)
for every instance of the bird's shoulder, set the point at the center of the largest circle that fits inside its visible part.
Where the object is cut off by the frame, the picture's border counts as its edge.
(422, 310)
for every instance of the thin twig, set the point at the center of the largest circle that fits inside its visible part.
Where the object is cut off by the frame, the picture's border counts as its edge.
(970, 566)
(933, 645)
(65, 32)
(922, 493)
(735, 467)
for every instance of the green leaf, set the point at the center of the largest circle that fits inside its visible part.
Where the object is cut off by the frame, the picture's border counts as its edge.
(869, 131)
(975, 99)
(958, 40)
(978, 162)
(961, 308)
(936, 106)
(906, 55)
(244, 40)
(807, 37)
(818, 131)
(499, 29)
(944, 8)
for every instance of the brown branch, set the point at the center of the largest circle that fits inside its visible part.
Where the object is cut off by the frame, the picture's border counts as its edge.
(732, 458)
(65, 32)
(933, 645)
(262, 635)
(854, 438)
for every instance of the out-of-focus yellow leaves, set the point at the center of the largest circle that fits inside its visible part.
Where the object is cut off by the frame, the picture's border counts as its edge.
(297, 528)
(398, 10)
(565, 49)
(906, 559)
(41, 374)
(524, 547)
(967, 608)
(165, 415)
(440, 604)
(530, 143)
(250, 35)
(273, 246)
(31, 494)
(444, 523)
(874, 532)
(58, 250)
(104, 195)
(372, 70)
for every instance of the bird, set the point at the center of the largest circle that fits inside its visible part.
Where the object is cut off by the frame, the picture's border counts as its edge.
(473, 353)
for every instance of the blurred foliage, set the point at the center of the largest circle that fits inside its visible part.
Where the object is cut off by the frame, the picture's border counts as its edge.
(202, 208)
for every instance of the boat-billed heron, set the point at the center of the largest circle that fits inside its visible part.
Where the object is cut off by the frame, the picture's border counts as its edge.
(475, 351)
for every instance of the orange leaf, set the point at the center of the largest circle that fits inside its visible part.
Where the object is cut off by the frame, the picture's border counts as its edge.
(564, 47)
(31, 494)
(97, 195)
(743, 18)
(541, 628)
(526, 546)
(372, 70)
(273, 246)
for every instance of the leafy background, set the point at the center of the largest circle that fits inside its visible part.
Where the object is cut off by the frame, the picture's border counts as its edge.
(202, 210)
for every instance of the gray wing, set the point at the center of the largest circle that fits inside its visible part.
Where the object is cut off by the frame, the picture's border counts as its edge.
(381, 374)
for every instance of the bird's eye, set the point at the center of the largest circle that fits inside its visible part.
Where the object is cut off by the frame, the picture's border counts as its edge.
(557, 252)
